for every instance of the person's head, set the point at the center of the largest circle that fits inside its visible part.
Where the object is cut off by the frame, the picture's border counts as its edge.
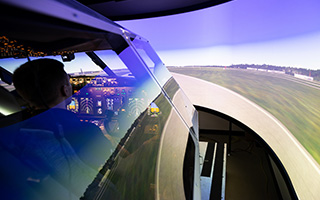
(42, 83)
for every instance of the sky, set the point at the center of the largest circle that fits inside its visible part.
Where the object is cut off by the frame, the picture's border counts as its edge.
(274, 32)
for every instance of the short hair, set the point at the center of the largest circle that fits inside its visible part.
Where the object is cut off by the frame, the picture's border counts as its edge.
(39, 81)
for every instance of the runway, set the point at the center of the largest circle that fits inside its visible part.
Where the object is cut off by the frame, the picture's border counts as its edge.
(302, 169)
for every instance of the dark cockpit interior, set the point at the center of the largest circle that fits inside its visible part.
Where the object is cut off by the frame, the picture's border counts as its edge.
(52, 147)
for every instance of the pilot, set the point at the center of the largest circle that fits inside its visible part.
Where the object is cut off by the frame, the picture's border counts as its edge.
(45, 85)
(51, 154)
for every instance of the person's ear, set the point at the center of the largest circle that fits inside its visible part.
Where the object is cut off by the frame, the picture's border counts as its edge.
(65, 90)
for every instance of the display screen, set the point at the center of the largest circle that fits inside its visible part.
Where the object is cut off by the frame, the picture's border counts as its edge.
(101, 97)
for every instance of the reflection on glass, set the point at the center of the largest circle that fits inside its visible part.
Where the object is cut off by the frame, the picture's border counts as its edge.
(103, 141)
(182, 104)
(132, 170)
(94, 147)
(152, 60)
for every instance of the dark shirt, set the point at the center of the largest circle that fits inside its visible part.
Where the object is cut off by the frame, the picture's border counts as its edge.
(85, 138)
(52, 143)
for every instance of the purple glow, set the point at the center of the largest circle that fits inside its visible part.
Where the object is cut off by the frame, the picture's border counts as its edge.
(243, 27)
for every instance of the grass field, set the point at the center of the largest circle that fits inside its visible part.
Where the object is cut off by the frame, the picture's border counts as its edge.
(297, 106)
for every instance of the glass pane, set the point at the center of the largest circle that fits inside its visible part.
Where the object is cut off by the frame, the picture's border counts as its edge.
(182, 104)
(86, 117)
(108, 125)
(171, 159)
(165, 79)
(152, 60)
(98, 128)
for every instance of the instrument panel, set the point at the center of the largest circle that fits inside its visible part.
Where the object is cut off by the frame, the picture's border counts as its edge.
(94, 101)
(94, 96)
(103, 100)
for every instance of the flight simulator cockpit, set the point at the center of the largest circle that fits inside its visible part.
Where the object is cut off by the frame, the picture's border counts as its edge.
(114, 135)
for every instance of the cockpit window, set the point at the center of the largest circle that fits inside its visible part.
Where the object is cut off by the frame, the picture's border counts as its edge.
(113, 118)
(96, 127)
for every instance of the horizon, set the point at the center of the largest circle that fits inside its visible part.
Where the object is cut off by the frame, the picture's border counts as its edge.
(281, 33)
(246, 64)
